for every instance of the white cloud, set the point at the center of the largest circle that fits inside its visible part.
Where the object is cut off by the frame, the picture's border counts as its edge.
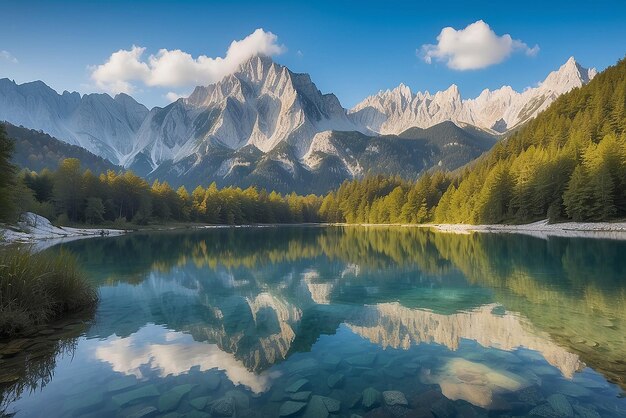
(170, 353)
(477, 46)
(7, 56)
(173, 96)
(176, 68)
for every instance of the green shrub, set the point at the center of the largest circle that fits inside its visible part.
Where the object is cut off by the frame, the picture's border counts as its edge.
(36, 288)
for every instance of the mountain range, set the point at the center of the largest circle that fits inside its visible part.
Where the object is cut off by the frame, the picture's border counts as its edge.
(265, 125)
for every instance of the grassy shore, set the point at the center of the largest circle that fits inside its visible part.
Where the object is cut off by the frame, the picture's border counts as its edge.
(36, 288)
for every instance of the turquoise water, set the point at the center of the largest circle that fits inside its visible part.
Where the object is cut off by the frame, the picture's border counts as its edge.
(330, 321)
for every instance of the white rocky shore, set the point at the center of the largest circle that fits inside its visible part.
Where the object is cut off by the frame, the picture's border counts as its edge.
(543, 229)
(38, 231)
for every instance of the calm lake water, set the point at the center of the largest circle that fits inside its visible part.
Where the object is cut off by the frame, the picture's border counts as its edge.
(319, 321)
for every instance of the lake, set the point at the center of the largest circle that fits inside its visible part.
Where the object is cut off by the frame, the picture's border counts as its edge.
(332, 321)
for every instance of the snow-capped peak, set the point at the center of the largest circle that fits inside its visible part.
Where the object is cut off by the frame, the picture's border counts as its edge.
(496, 110)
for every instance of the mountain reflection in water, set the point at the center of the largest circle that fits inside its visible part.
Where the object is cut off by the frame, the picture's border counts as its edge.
(481, 316)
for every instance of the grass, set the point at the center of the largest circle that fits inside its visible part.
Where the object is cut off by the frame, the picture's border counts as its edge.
(36, 288)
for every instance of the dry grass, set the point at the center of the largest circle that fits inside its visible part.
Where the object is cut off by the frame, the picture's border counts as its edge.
(38, 288)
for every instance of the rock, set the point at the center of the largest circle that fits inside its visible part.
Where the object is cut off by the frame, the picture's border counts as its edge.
(316, 408)
(530, 396)
(421, 412)
(301, 396)
(223, 407)
(144, 412)
(354, 400)
(144, 392)
(370, 398)
(394, 373)
(543, 410)
(362, 360)
(290, 408)
(332, 405)
(85, 402)
(196, 414)
(212, 381)
(561, 405)
(585, 412)
(443, 408)
(170, 400)
(200, 403)
(241, 399)
(303, 366)
(379, 412)
(574, 390)
(297, 386)
(331, 361)
(335, 380)
(122, 383)
(395, 397)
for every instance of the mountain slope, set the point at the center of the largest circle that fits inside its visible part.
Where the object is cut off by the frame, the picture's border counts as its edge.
(35, 151)
(262, 104)
(333, 157)
(393, 111)
(568, 163)
(101, 124)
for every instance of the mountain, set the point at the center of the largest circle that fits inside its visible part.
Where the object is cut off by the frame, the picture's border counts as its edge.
(35, 150)
(101, 124)
(332, 157)
(262, 104)
(497, 111)
(567, 163)
(267, 126)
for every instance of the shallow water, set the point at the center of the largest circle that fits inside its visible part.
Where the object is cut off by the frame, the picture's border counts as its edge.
(312, 321)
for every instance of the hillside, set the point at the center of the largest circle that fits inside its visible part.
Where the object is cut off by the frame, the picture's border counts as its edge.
(568, 163)
(35, 151)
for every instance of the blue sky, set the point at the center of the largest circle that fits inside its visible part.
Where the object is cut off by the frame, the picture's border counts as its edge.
(352, 49)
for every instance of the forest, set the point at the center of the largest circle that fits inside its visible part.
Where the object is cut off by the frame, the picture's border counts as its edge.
(569, 163)
(73, 195)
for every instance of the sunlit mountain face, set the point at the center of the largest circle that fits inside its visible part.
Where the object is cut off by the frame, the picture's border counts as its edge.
(319, 320)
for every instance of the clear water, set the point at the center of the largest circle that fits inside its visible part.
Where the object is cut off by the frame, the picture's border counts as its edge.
(312, 321)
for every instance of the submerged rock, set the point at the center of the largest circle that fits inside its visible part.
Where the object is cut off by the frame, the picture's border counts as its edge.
(200, 403)
(362, 360)
(561, 405)
(297, 386)
(332, 405)
(301, 396)
(241, 399)
(585, 412)
(145, 412)
(316, 408)
(144, 392)
(223, 407)
(212, 381)
(122, 383)
(335, 380)
(370, 398)
(290, 408)
(395, 397)
(543, 410)
(170, 400)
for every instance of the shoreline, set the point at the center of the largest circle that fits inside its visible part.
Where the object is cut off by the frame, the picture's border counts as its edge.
(540, 229)
(43, 234)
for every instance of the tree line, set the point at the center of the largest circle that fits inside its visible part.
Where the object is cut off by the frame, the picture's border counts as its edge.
(72, 195)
